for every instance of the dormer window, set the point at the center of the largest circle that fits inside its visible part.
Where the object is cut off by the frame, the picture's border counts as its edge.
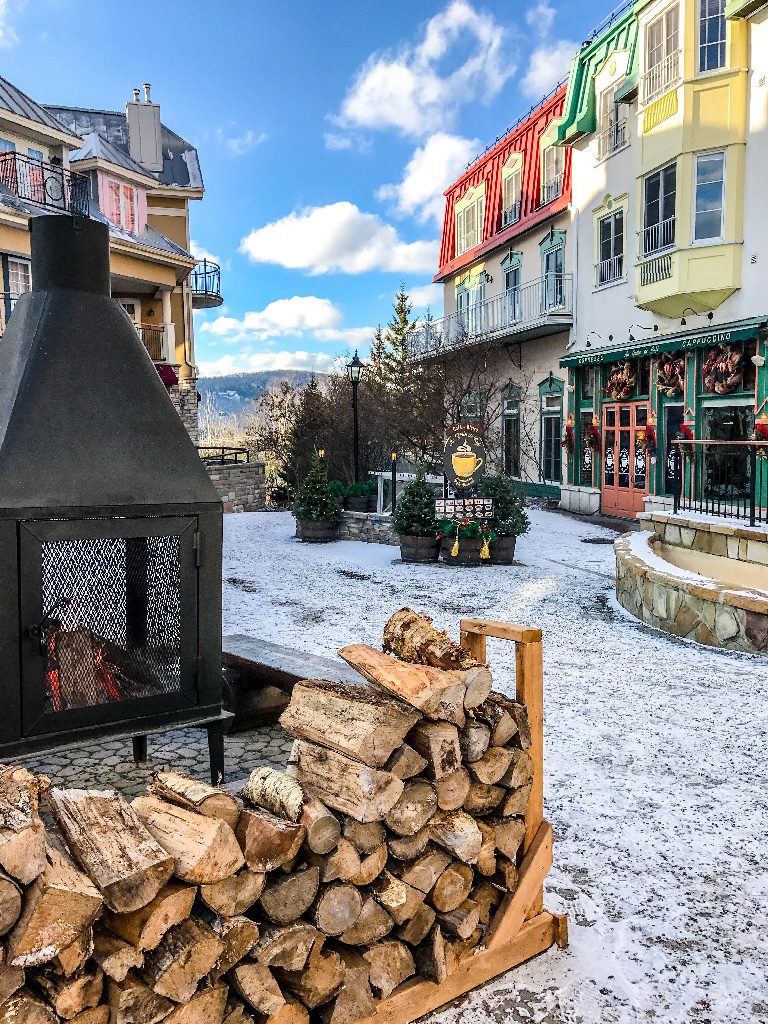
(123, 205)
(470, 217)
(511, 179)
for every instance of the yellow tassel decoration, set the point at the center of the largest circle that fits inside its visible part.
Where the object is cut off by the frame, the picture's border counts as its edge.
(485, 550)
(455, 548)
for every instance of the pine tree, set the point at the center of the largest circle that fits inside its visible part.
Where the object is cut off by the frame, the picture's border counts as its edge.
(415, 509)
(314, 500)
(308, 432)
(396, 371)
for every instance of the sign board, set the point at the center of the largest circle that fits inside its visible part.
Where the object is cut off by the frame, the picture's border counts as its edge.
(475, 510)
(464, 457)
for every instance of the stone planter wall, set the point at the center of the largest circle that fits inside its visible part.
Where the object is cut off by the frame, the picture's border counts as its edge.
(241, 485)
(368, 526)
(584, 501)
(729, 540)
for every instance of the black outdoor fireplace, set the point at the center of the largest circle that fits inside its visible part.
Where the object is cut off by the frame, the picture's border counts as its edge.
(110, 528)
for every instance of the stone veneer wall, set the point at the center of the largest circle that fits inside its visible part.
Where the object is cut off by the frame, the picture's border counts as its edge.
(367, 526)
(184, 397)
(705, 610)
(241, 485)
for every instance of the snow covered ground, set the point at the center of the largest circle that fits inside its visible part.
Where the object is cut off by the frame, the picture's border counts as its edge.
(656, 764)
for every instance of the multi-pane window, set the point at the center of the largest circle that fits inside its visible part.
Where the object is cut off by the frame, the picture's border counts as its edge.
(469, 225)
(470, 406)
(553, 284)
(19, 277)
(662, 54)
(659, 210)
(611, 242)
(511, 435)
(551, 429)
(552, 165)
(709, 194)
(122, 205)
(612, 128)
(511, 199)
(711, 35)
(6, 146)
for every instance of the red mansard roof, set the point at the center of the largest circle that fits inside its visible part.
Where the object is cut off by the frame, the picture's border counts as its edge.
(523, 139)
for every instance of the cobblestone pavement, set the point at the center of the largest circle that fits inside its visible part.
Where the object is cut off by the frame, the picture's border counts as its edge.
(109, 763)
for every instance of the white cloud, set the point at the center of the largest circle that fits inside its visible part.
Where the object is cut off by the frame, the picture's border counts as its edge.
(333, 140)
(239, 145)
(426, 295)
(352, 336)
(541, 17)
(251, 362)
(414, 90)
(201, 253)
(337, 237)
(428, 174)
(8, 36)
(282, 317)
(548, 64)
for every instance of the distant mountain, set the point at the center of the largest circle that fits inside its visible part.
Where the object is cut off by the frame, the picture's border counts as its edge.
(234, 392)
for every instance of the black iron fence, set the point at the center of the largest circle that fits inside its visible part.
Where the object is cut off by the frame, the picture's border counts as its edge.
(205, 279)
(50, 185)
(222, 455)
(721, 478)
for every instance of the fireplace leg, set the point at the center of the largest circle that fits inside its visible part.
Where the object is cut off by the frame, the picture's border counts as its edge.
(139, 749)
(216, 731)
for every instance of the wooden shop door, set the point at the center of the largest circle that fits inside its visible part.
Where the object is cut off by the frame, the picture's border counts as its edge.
(625, 461)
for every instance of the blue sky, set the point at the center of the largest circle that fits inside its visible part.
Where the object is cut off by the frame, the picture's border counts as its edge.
(327, 132)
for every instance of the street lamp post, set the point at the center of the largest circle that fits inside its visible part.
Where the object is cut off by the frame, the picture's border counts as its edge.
(355, 370)
(394, 480)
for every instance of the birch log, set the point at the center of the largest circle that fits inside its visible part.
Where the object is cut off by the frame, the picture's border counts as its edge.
(410, 636)
(274, 791)
(22, 835)
(195, 796)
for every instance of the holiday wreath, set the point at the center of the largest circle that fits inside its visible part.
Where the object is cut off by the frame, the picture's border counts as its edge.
(621, 382)
(671, 375)
(593, 438)
(569, 440)
(723, 370)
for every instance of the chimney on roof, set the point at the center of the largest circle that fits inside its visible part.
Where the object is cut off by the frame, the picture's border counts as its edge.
(144, 137)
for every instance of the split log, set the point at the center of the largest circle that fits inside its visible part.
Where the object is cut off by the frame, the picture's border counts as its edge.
(411, 636)
(487, 896)
(417, 928)
(205, 1007)
(288, 898)
(520, 771)
(291, 1012)
(319, 980)
(366, 837)
(354, 720)
(112, 846)
(185, 955)
(506, 874)
(452, 790)
(459, 950)
(256, 984)
(323, 828)
(275, 791)
(456, 832)
(11, 980)
(474, 739)
(424, 872)
(509, 834)
(405, 762)
(343, 863)
(354, 1001)
(24, 1008)
(74, 956)
(338, 908)
(462, 921)
(506, 719)
(10, 903)
(400, 900)
(482, 799)
(430, 957)
(371, 926)
(391, 963)
(409, 847)
(371, 866)
(22, 834)
(416, 806)
(438, 742)
(145, 928)
(516, 800)
(452, 887)
(234, 895)
(114, 956)
(267, 842)
(492, 766)
(94, 1015)
(204, 849)
(287, 946)
(133, 1002)
(364, 793)
(238, 935)
(59, 905)
(195, 796)
(70, 996)
(235, 1011)
(486, 860)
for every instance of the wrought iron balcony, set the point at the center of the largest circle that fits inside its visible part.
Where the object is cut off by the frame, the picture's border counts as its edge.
(657, 238)
(551, 190)
(609, 271)
(49, 185)
(661, 77)
(205, 282)
(511, 215)
(612, 139)
(540, 307)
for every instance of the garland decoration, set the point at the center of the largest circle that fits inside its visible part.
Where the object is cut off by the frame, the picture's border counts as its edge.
(593, 438)
(621, 382)
(723, 370)
(671, 375)
(569, 440)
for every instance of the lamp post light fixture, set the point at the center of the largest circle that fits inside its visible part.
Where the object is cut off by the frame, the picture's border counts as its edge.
(355, 372)
(394, 481)
(321, 456)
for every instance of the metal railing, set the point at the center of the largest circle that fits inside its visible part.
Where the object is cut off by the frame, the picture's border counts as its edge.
(608, 271)
(657, 237)
(153, 336)
(511, 312)
(721, 478)
(205, 279)
(49, 185)
(511, 215)
(612, 139)
(551, 190)
(661, 77)
(657, 269)
(222, 455)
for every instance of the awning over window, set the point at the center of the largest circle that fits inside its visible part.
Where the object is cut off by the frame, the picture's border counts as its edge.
(167, 374)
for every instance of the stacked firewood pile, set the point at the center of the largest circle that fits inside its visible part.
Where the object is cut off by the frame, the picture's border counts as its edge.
(378, 856)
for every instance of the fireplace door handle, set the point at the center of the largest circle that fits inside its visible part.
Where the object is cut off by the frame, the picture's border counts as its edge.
(49, 621)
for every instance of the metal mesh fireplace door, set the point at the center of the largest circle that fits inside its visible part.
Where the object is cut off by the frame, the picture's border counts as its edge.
(109, 620)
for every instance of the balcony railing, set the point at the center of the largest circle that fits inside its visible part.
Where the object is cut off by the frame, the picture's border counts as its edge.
(612, 139)
(657, 269)
(511, 215)
(205, 282)
(551, 190)
(222, 455)
(547, 300)
(154, 338)
(48, 185)
(661, 77)
(657, 237)
(721, 478)
(608, 271)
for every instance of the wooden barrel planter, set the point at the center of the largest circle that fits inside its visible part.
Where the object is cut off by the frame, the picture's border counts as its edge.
(356, 503)
(373, 503)
(503, 551)
(469, 551)
(419, 549)
(313, 532)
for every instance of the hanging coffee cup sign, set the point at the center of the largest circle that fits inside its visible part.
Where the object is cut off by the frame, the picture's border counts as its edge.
(464, 456)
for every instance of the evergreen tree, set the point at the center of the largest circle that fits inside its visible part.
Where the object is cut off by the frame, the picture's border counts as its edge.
(397, 373)
(308, 433)
(314, 500)
(415, 509)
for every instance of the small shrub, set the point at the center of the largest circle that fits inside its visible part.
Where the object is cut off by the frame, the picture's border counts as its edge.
(415, 509)
(509, 516)
(315, 501)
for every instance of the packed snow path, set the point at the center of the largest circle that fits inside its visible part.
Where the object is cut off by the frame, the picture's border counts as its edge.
(656, 763)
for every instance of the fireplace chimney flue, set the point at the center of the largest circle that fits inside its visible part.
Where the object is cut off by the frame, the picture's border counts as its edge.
(70, 253)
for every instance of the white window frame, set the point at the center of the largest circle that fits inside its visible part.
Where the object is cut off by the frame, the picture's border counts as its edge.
(27, 266)
(557, 159)
(666, 80)
(512, 183)
(611, 216)
(464, 242)
(702, 44)
(713, 239)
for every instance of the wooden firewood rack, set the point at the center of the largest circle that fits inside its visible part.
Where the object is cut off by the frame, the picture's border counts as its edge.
(521, 927)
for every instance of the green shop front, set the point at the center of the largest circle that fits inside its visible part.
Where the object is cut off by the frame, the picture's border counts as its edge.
(626, 405)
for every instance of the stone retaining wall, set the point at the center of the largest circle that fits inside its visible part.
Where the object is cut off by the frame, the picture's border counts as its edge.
(367, 526)
(184, 397)
(729, 540)
(242, 486)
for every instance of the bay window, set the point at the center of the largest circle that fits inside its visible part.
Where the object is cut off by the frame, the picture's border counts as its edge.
(708, 196)
(662, 54)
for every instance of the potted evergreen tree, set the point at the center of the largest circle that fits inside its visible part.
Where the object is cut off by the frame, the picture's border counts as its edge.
(316, 510)
(509, 516)
(414, 521)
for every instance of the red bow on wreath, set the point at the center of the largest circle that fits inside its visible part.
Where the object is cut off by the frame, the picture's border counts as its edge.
(761, 432)
(568, 441)
(593, 438)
